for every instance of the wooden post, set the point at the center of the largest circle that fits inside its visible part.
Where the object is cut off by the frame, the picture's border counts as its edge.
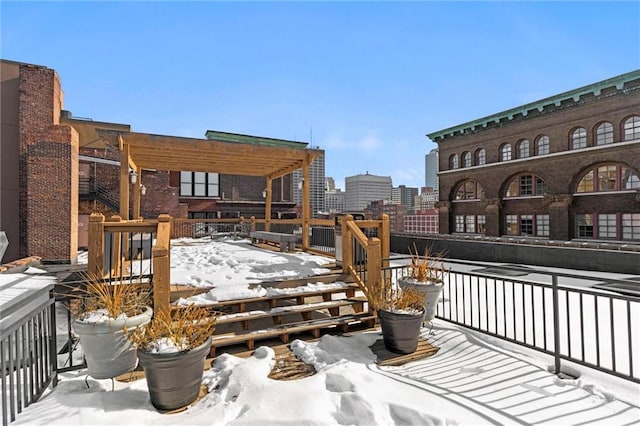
(116, 249)
(136, 195)
(306, 204)
(124, 182)
(96, 245)
(267, 206)
(347, 244)
(385, 239)
(374, 265)
(162, 267)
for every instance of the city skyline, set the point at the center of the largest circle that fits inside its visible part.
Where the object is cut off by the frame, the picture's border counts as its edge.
(363, 81)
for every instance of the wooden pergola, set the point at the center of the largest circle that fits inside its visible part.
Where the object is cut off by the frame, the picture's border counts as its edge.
(140, 151)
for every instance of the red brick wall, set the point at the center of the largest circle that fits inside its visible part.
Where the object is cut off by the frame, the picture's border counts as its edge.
(48, 169)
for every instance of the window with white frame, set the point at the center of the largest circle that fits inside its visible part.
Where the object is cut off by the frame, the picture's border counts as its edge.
(453, 161)
(466, 159)
(470, 224)
(481, 157)
(631, 128)
(604, 134)
(505, 152)
(631, 226)
(542, 225)
(199, 184)
(542, 145)
(579, 138)
(523, 148)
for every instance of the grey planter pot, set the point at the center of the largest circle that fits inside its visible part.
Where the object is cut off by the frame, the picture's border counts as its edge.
(106, 348)
(431, 291)
(174, 379)
(400, 332)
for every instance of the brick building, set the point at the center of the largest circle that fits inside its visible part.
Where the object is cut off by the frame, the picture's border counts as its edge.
(562, 168)
(56, 169)
(38, 165)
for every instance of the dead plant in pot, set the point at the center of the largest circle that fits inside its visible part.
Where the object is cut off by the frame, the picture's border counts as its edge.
(426, 274)
(400, 311)
(172, 349)
(102, 314)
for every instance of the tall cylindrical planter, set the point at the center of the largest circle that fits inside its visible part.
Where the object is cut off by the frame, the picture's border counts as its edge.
(174, 379)
(431, 291)
(400, 331)
(106, 348)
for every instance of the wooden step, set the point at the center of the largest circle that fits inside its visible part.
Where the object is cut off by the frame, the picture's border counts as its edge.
(278, 312)
(284, 330)
(241, 304)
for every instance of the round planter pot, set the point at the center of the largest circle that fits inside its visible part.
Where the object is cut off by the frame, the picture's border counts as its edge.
(106, 348)
(431, 291)
(400, 331)
(174, 379)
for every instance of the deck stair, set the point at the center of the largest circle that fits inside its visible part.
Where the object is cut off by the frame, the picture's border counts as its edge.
(279, 315)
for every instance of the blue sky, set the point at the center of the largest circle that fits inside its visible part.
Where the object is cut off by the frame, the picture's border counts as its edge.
(365, 81)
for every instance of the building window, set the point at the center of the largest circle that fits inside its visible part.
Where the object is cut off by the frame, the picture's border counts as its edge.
(542, 225)
(631, 226)
(612, 226)
(607, 225)
(481, 157)
(511, 224)
(579, 138)
(469, 190)
(199, 184)
(466, 159)
(606, 178)
(505, 152)
(525, 186)
(632, 128)
(453, 161)
(604, 134)
(542, 146)
(481, 224)
(523, 148)
(470, 224)
(584, 226)
(527, 225)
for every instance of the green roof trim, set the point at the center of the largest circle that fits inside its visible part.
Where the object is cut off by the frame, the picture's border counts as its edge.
(556, 100)
(253, 140)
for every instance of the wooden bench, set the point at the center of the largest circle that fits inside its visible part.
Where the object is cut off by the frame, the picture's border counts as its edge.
(286, 241)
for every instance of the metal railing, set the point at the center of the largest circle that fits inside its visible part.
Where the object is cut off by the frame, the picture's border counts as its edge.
(558, 314)
(28, 358)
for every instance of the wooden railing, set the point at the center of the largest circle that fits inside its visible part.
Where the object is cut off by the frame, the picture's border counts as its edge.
(364, 257)
(117, 248)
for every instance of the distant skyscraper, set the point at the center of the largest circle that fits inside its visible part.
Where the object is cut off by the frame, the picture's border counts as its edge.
(316, 188)
(334, 201)
(363, 189)
(431, 169)
(329, 184)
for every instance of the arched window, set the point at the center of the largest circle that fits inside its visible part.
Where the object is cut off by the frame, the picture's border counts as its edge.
(481, 157)
(525, 186)
(604, 134)
(632, 128)
(542, 145)
(453, 161)
(523, 148)
(579, 138)
(608, 177)
(466, 159)
(469, 190)
(505, 152)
